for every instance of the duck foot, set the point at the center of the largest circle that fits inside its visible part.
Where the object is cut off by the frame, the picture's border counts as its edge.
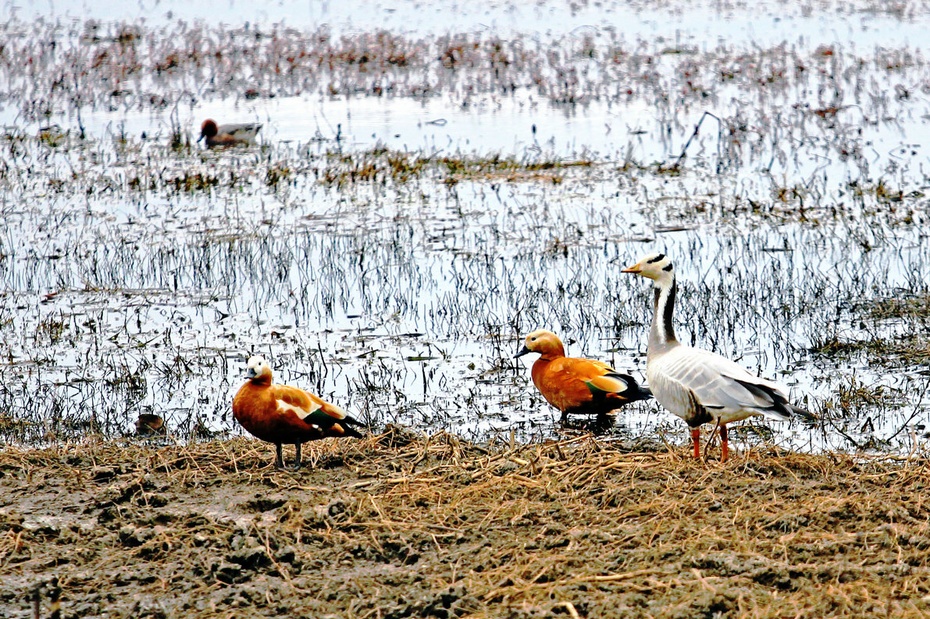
(279, 458)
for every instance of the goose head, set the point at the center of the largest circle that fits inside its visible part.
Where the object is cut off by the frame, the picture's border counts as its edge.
(655, 266)
(544, 342)
(258, 370)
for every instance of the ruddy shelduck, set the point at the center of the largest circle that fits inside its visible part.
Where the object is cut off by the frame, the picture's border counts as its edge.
(575, 385)
(148, 424)
(281, 414)
(698, 385)
(242, 134)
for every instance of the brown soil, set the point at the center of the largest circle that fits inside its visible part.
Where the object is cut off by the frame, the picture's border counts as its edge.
(404, 526)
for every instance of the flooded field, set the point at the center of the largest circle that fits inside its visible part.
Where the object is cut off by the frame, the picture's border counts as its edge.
(423, 197)
(430, 184)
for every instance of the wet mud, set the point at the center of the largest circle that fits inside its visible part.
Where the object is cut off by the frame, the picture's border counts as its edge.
(401, 525)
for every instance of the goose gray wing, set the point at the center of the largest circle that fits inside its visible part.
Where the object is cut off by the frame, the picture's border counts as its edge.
(694, 382)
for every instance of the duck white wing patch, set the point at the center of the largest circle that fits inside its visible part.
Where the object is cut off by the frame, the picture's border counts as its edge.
(284, 407)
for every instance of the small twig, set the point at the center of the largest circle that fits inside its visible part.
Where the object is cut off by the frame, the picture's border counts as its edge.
(917, 410)
(55, 594)
(319, 348)
(697, 129)
(36, 601)
(616, 577)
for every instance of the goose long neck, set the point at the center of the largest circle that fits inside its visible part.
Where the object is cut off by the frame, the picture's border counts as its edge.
(662, 333)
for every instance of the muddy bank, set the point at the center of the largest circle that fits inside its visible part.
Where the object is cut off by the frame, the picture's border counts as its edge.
(400, 526)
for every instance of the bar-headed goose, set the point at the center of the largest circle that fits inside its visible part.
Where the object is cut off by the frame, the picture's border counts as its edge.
(575, 385)
(698, 385)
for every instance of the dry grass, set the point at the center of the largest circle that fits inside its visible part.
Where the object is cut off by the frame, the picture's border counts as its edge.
(399, 525)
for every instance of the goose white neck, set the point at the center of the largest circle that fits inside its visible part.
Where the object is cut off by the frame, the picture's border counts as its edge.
(662, 332)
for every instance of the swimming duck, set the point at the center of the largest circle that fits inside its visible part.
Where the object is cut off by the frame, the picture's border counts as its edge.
(242, 134)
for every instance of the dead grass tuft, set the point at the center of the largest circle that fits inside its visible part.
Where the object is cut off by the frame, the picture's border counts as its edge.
(891, 352)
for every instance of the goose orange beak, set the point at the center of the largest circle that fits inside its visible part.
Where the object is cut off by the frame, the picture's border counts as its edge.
(635, 269)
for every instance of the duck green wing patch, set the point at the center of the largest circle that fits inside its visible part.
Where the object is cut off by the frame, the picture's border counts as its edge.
(608, 383)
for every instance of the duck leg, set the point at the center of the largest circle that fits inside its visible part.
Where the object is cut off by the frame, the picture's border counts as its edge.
(696, 439)
(296, 456)
(279, 456)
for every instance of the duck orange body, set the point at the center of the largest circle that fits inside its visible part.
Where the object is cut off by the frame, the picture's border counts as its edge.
(281, 414)
(574, 385)
(241, 134)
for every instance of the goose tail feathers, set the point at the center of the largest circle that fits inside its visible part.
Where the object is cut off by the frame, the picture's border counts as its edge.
(780, 406)
(802, 412)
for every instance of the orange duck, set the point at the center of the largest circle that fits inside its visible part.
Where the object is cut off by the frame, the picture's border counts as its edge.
(241, 134)
(575, 385)
(281, 414)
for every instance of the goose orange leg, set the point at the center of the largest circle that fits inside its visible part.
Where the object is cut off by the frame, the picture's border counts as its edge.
(724, 445)
(696, 439)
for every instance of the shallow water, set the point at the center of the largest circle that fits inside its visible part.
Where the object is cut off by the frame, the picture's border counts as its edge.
(138, 278)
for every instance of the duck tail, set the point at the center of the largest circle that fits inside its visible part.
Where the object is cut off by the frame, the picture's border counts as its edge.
(645, 392)
(635, 391)
(349, 424)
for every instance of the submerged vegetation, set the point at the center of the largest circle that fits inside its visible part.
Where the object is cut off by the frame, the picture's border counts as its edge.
(907, 350)
(381, 166)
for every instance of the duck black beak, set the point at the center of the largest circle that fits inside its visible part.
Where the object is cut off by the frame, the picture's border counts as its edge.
(523, 351)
